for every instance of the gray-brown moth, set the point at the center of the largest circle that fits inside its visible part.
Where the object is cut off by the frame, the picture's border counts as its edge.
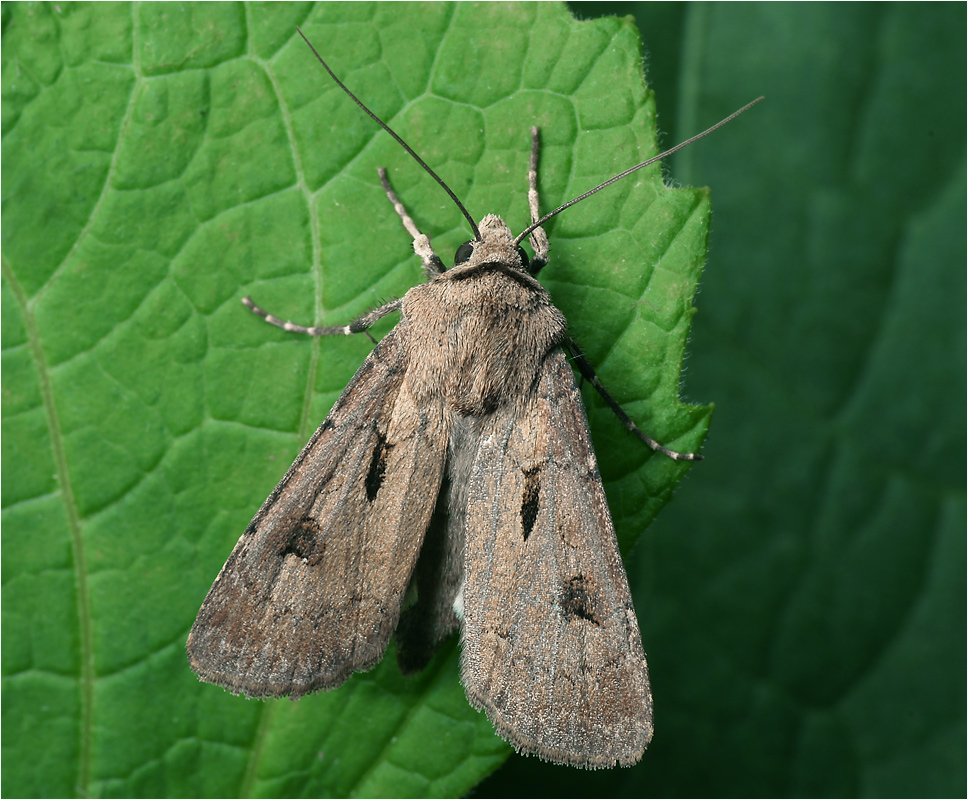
(457, 464)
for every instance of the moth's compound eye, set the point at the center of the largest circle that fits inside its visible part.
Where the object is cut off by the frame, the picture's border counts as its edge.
(464, 252)
(524, 257)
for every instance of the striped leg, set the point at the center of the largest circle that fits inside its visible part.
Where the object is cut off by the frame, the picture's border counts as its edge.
(538, 238)
(432, 265)
(588, 373)
(359, 325)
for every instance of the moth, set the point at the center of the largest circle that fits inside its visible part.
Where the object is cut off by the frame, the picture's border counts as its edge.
(453, 485)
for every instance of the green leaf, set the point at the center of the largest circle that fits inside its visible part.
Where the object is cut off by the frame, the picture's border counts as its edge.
(162, 162)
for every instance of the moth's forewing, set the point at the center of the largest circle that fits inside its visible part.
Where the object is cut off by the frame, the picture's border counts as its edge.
(313, 589)
(551, 645)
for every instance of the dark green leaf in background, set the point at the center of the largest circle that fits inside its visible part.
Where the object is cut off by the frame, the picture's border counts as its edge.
(162, 161)
(803, 599)
(802, 602)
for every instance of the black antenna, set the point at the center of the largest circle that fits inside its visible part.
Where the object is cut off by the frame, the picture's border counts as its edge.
(403, 144)
(527, 231)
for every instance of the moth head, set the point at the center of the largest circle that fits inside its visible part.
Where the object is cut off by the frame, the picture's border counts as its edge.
(496, 246)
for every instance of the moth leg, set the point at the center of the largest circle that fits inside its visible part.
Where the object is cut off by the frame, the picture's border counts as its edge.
(538, 238)
(432, 265)
(588, 373)
(359, 325)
